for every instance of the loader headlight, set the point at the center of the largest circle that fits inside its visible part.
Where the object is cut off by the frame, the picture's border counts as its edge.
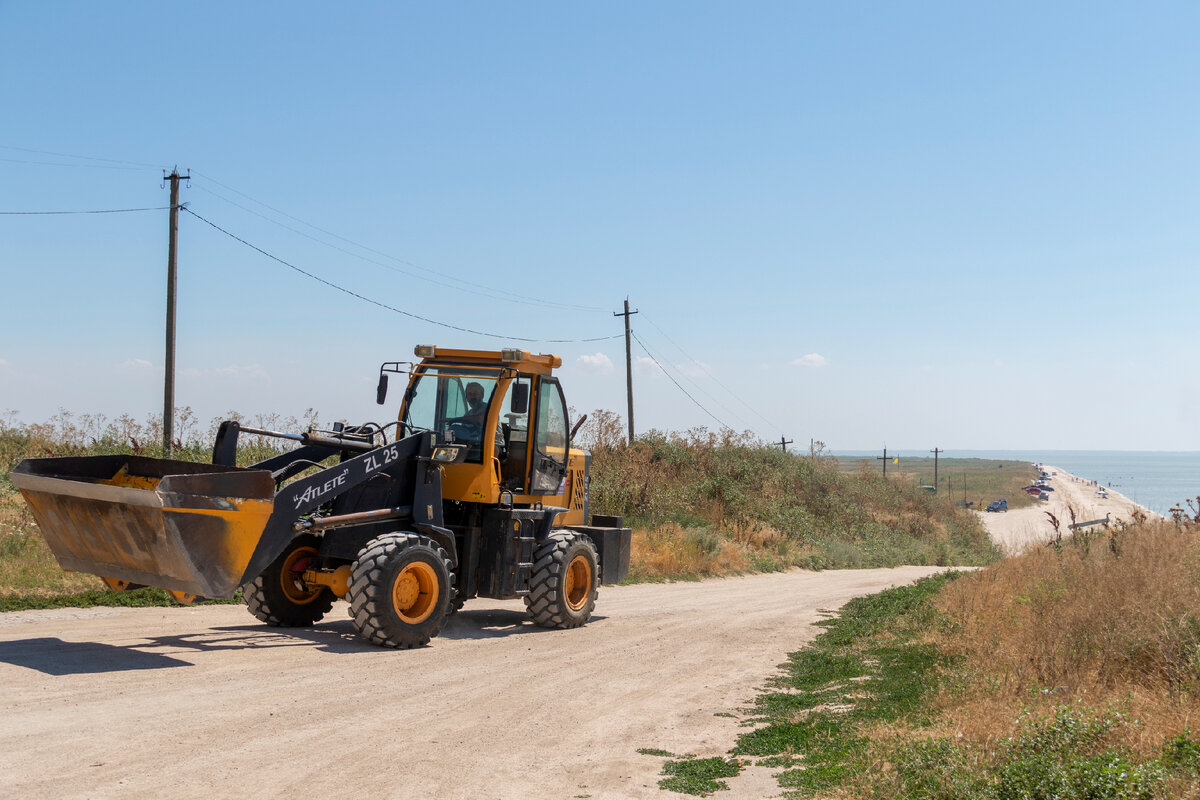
(512, 354)
(424, 351)
(449, 453)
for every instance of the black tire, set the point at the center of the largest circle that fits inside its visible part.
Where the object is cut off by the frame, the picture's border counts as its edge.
(565, 582)
(279, 597)
(118, 585)
(401, 590)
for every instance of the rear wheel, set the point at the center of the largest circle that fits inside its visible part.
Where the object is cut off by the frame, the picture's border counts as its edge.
(118, 585)
(565, 582)
(280, 597)
(401, 590)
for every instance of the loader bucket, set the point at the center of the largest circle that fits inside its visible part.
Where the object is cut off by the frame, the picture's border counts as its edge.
(173, 524)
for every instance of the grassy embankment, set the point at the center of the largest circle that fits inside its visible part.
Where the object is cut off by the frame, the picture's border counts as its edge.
(960, 480)
(705, 504)
(701, 504)
(1070, 672)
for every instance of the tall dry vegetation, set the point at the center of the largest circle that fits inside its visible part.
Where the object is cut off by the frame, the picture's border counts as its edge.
(703, 502)
(1101, 618)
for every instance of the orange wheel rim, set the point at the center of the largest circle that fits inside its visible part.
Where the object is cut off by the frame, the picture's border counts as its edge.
(415, 593)
(577, 584)
(291, 578)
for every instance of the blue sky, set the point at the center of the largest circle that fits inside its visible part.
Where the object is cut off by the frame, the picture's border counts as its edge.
(936, 224)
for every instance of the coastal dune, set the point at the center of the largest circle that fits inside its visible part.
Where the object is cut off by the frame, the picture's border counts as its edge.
(1019, 529)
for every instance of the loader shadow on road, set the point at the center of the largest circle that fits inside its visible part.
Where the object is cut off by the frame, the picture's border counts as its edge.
(56, 657)
(490, 623)
(330, 637)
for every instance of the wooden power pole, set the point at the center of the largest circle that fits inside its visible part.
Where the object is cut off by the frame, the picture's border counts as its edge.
(169, 361)
(783, 442)
(884, 459)
(628, 364)
(935, 452)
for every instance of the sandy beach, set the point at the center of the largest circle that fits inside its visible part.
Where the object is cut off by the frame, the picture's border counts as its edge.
(1021, 528)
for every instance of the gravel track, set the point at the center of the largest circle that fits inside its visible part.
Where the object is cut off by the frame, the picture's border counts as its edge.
(205, 702)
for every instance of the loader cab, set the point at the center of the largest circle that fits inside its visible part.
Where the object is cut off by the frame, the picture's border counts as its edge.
(442, 399)
(519, 447)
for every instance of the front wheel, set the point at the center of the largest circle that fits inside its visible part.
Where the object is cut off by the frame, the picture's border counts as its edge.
(401, 590)
(565, 582)
(280, 597)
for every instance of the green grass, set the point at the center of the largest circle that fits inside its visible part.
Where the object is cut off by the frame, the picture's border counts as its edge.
(819, 723)
(698, 776)
(96, 597)
(812, 719)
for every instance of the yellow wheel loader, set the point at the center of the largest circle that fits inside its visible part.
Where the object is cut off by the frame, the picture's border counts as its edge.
(473, 491)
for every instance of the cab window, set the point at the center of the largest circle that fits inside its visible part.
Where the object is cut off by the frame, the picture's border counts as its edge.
(549, 465)
(452, 402)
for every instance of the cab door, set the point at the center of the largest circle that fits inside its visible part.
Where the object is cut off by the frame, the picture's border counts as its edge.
(548, 459)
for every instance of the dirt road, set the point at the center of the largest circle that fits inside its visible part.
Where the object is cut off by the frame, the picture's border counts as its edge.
(204, 702)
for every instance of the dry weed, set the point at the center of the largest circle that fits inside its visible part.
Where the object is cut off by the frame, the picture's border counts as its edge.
(1101, 625)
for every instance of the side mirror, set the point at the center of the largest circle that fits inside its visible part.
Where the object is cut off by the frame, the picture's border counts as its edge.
(381, 389)
(519, 404)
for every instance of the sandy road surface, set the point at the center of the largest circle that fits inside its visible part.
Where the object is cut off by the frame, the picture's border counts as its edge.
(1021, 528)
(206, 703)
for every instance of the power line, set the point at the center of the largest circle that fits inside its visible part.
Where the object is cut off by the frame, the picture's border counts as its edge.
(711, 375)
(72, 155)
(94, 211)
(417, 275)
(677, 385)
(78, 166)
(518, 297)
(374, 302)
(706, 393)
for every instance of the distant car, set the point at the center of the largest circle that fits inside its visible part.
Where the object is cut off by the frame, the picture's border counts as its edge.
(1043, 496)
(998, 505)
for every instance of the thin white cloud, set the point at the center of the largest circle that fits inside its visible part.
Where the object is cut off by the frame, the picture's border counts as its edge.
(598, 362)
(135, 363)
(643, 365)
(811, 360)
(695, 369)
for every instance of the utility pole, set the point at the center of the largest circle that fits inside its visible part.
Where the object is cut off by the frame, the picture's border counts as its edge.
(783, 443)
(884, 459)
(169, 361)
(628, 364)
(935, 452)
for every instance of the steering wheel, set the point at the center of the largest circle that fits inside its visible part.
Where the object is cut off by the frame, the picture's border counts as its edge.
(464, 429)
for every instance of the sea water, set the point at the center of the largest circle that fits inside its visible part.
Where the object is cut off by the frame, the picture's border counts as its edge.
(1156, 480)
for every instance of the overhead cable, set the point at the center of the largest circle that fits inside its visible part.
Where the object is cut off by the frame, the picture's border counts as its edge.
(677, 384)
(83, 158)
(92, 211)
(61, 164)
(493, 290)
(417, 275)
(375, 302)
(711, 375)
(708, 394)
